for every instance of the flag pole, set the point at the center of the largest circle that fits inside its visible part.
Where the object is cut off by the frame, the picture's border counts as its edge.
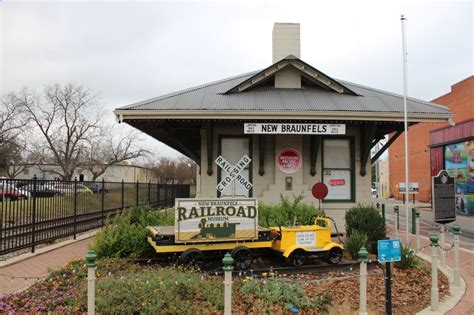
(405, 120)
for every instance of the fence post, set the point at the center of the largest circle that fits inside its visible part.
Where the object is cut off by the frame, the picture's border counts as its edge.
(363, 281)
(75, 207)
(33, 213)
(434, 273)
(136, 193)
(157, 195)
(457, 261)
(91, 266)
(103, 200)
(417, 231)
(228, 262)
(123, 194)
(442, 252)
(149, 194)
(396, 210)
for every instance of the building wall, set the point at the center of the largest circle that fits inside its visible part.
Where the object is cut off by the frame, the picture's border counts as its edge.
(115, 173)
(384, 179)
(267, 188)
(461, 103)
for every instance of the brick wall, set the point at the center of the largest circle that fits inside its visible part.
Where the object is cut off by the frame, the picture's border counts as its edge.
(461, 103)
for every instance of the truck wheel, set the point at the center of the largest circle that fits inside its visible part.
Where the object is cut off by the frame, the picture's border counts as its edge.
(242, 257)
(297, 258)
(192, 258)
(334, 256)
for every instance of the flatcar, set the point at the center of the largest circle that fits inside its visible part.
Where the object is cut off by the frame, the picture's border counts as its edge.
(294, 243)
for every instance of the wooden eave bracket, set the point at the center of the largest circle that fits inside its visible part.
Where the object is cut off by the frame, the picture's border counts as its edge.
(314, 148)
(367, 135)
(261, 155)
(209, 149)
(385, 147)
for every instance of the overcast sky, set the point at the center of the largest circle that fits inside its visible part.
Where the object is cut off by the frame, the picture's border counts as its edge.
(131, 51)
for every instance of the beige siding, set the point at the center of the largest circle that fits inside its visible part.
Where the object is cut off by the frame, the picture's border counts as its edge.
(267, 188)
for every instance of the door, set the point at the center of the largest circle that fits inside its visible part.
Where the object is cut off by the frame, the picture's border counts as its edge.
(233, 149)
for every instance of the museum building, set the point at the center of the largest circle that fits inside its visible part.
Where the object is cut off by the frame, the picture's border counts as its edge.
(296, 125)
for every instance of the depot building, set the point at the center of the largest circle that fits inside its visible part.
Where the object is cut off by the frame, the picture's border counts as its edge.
(279, 130)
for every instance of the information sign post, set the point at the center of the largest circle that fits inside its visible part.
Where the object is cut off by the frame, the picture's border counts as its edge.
(389, 250)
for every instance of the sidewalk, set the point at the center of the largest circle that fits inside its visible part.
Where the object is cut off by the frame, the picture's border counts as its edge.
(38, 266)
(465, 222)
(466, 305)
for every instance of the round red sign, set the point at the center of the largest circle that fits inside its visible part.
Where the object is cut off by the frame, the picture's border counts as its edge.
(289, 161)
(319, 191)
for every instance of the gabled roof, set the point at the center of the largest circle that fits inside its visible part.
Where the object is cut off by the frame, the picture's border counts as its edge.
(307, 71)
(248, 97)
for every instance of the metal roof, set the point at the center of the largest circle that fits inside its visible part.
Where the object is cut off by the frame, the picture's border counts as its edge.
(266, 98)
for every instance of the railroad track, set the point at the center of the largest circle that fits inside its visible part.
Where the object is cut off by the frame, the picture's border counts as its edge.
(306, 269)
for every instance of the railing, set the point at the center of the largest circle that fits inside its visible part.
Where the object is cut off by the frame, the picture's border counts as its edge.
(40, 211)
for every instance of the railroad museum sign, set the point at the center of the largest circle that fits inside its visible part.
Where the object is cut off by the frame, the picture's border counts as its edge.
(297, 129)
(217, 219)
(444, 204)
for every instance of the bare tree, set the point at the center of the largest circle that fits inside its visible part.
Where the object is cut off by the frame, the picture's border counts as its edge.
(12, 120)
(11, 158)
(113, 145)
(66, 119)
(168, 171)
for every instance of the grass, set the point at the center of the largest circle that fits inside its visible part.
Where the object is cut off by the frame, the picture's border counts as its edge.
(62, 206)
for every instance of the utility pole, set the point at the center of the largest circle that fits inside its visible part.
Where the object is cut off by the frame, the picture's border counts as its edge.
(405, 120)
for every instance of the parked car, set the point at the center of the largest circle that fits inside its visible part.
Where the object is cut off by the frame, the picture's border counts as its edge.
(42, 190)
(68, 188)
(96, 188)
(8, 194)
(23, 194)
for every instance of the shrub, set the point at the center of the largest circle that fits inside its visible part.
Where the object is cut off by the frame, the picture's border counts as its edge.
(286, 212)
(125, 235)
(154, 291)
(365, 219)
(276, 292)
(408, 259)
(354, 242)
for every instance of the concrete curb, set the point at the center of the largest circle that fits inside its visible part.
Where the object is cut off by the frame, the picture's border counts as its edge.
(17, 259)
(456, 293)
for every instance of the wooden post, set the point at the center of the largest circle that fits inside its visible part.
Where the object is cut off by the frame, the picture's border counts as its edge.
(91, 266)
(457, 261)
(363, 281)
(434, 273)
(228, 262)
(417, 231)
(442, 253)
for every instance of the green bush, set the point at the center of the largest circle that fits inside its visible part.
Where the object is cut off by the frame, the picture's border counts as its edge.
(354, 242)
(154, 291)
(277, 292)
(408, 260)
(286, 212)
(365, 219)
(125, 235)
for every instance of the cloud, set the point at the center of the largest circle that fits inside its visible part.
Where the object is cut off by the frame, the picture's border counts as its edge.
(131, 51)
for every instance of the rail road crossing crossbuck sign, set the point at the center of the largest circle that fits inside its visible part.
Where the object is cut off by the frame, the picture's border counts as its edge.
(233, 173)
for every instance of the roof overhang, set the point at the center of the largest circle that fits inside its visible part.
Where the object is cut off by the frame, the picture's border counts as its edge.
(123, 115)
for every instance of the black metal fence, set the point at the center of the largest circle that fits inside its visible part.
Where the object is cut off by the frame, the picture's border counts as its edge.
(39, 211)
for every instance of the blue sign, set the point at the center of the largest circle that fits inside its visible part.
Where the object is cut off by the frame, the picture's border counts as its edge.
(389, 250)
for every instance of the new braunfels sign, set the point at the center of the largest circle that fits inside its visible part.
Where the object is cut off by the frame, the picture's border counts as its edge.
(216, 219)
